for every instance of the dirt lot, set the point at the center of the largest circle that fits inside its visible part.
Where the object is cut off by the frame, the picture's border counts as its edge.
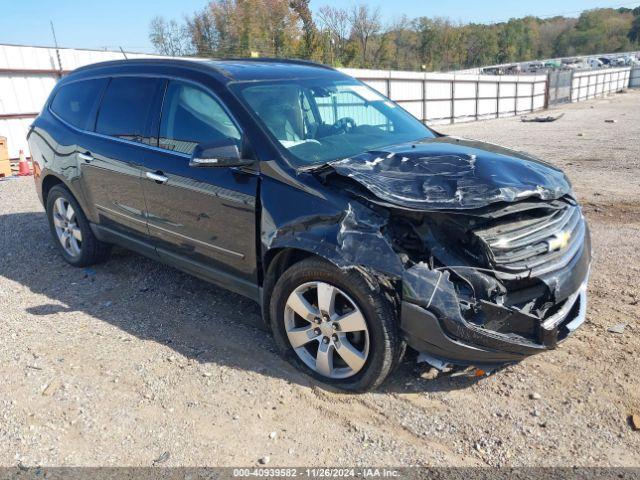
(133, 362)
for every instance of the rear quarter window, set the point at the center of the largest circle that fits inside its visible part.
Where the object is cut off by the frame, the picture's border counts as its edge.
(75, 101)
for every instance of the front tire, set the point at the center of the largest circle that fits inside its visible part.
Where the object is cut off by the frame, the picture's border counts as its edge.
(71, 231)
(334, 326)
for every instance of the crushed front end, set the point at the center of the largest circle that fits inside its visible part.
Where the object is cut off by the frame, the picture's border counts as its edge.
(495, 284)
(492, 249)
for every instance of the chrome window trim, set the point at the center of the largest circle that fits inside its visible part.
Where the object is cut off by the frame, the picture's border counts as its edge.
(121, 140)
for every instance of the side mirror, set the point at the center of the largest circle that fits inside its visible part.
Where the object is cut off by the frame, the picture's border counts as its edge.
(223, 153)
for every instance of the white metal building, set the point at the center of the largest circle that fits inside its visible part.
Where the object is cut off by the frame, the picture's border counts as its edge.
(27, 75)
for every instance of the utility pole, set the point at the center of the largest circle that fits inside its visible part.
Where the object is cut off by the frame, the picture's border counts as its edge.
(55, 42)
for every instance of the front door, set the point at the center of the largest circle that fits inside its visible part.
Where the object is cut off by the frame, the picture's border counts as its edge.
(202, 219)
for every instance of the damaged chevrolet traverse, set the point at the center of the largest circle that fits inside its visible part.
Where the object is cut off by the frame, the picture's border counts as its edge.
(357, 229)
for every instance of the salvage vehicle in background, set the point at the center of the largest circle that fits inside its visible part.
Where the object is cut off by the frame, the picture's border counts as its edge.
(358, 229)
(595, 63)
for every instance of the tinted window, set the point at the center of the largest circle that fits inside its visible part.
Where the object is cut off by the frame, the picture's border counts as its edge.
(75, 102)
(191, 116)
(126, 107)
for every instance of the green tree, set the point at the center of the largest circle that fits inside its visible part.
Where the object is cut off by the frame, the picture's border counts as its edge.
(310, 46)
(634, 33)
(356, 37)
(481, 45)
(365, 24)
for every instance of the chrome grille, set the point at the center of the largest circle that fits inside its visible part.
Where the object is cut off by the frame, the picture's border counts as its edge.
(540, 243)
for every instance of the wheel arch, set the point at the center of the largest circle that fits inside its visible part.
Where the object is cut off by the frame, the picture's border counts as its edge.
(48, 182)
(276, 262)
(50, 179)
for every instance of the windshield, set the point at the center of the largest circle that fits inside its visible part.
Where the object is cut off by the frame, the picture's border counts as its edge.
(320, 120)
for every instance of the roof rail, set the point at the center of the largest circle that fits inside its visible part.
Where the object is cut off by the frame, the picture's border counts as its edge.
(294, 61)
(204, 63)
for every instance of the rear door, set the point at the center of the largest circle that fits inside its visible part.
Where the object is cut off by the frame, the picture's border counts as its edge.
(75, 104)
(203, 219)
(112, 161)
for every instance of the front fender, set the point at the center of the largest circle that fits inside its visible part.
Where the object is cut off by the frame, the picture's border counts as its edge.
(349, 238)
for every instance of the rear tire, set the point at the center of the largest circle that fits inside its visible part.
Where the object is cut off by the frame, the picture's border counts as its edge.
(71, 231)
(356, 343)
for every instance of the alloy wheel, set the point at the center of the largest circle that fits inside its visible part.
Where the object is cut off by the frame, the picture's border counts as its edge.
(67, 228)
(327, 330)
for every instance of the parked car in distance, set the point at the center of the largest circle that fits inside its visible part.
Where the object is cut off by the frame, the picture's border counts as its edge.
(595, 63)
(533, 67)
(358, 229)
(552, 64)
(628, 60)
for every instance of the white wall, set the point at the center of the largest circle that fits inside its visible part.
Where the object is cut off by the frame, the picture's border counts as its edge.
(27, 76)
(597, 83)
(634, 78)
(446, 97)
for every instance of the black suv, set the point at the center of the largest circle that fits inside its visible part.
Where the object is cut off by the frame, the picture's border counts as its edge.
(357, 228)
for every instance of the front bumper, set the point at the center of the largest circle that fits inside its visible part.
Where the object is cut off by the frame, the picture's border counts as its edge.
(461, 342)
(431, 319)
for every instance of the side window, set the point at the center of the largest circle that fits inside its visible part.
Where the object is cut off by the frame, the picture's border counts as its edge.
(75, 101)
(191, 116)
(126, 108)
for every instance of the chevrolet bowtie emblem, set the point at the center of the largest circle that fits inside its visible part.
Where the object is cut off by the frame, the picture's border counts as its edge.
(558, 241)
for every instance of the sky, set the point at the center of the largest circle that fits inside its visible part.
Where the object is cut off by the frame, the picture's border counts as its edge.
(125, 23)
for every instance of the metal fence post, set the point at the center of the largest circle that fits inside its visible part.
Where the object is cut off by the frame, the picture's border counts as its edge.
(515, 103)
(498, 98)
(453, 100)
(547, 89)
(533, 92)
(477, 99)
(424, 100)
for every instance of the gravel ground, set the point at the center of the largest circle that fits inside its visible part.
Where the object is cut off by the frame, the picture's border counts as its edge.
(134, 363)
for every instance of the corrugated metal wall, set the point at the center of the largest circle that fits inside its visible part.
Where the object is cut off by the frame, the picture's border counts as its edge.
(27, 75)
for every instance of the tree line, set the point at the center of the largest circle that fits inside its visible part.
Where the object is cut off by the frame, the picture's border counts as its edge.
(358, 37)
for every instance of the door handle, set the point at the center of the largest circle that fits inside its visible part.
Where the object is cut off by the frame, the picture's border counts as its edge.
(157, 177)
(86, 157)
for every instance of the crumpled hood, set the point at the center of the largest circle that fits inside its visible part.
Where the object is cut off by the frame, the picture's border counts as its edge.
(452, 173)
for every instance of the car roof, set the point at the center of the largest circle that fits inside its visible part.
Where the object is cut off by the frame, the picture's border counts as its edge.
(226, 71)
